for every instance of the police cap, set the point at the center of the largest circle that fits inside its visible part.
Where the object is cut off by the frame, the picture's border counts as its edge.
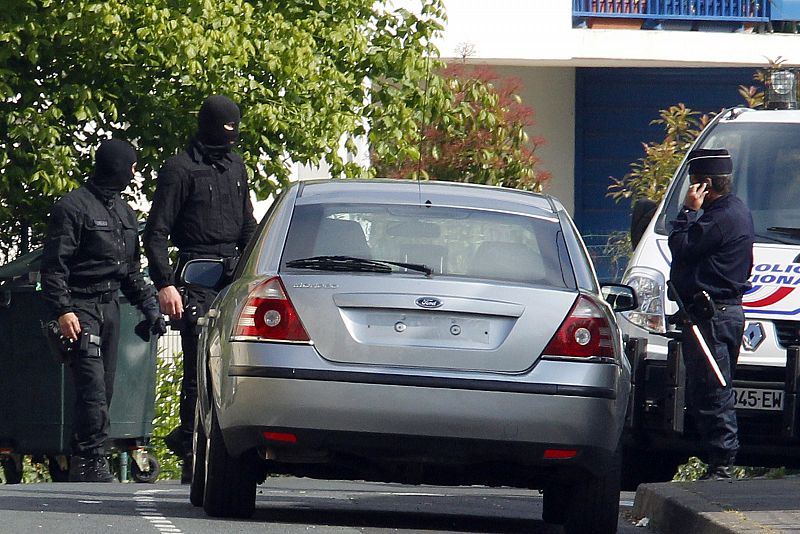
(710, 162)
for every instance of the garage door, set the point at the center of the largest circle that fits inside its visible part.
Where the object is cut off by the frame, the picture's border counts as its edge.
(613, 111)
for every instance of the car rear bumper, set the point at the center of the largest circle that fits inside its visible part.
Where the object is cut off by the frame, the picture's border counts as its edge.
(528, 418)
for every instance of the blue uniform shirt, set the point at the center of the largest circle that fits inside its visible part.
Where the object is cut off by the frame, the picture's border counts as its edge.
(713, 252)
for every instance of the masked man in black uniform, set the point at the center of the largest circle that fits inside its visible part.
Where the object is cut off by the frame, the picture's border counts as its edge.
(712, 252)
(202, 205)
(91, 252)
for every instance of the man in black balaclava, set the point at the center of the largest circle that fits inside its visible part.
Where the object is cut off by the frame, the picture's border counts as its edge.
(91, 252)
(202, 205)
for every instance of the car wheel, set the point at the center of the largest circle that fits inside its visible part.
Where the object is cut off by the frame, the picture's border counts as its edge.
(230, 483)
(12, 468)
(594, 506)
(555, 504)
(58, 467)
(199, 446)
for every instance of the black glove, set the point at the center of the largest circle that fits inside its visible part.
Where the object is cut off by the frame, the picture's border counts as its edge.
(153, 323)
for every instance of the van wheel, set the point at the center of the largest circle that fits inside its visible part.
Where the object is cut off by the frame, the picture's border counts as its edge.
(230, 483)
(199, 446)
(640, 467)
(594, 502)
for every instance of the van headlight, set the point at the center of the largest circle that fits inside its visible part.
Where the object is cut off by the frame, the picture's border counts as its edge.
(649, 285)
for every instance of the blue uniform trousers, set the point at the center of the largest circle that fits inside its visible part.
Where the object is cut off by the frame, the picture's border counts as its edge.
(710, 404)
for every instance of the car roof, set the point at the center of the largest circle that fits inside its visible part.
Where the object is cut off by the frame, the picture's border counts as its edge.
(378, 191)
(761, 115)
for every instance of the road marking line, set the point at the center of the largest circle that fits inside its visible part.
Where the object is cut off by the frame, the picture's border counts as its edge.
(146, 507)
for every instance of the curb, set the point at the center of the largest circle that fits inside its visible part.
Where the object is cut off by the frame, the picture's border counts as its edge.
(672, 507)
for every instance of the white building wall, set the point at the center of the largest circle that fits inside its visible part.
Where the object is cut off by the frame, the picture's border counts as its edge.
(540, 32)
(550, 91)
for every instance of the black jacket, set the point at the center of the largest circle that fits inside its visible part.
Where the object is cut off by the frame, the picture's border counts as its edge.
(713, 252)
(92, 246)
(204, 208)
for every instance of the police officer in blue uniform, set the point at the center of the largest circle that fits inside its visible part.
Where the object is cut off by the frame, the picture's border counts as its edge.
(712, 251)
(91, 252)
(202, 206)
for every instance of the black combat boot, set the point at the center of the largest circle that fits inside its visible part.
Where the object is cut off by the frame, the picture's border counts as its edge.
(186, 469)
(720, 467)
(89, 469)
(175, 442)
(719, 472)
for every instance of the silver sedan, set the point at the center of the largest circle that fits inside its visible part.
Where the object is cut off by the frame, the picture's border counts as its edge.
(418, 333)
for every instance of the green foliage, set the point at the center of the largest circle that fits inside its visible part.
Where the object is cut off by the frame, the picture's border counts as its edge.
(650, 174)
(33, 470)
(308, 75)
(471, 129)
(168, 394)
(694, 468)
(618, 247)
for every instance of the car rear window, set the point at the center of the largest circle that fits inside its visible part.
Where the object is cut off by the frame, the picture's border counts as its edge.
(456, 242)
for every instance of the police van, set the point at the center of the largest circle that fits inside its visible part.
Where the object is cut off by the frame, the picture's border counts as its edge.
(765, 148)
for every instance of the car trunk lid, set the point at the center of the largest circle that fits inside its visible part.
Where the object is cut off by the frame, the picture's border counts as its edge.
(405, 321)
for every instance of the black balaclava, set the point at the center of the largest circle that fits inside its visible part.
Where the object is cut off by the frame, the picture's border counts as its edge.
(215, 113)
(112, 167)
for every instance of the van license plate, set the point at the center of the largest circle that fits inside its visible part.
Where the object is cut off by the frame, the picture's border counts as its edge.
(758, 399)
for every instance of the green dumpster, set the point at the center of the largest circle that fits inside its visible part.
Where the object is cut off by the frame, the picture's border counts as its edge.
(36, 393)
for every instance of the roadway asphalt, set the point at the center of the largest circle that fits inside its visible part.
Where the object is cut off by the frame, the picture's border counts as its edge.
(761, 505)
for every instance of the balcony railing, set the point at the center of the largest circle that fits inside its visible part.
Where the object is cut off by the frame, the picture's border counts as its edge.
(737, 11)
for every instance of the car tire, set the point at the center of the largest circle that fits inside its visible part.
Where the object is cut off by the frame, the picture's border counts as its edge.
(594, 506)
(555, 504)
(230, 483)
(12, 468)
(58, 467)
(199, 447)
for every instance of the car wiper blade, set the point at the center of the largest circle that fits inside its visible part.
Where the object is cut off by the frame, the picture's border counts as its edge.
(411, 266)
(352, 263)
(786, 230)
(339, 263)
(776, 239)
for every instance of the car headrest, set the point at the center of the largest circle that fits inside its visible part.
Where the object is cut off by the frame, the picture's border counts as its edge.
(507, 261)
(340, 237)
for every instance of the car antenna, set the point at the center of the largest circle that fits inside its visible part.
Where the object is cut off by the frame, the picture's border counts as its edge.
(422, 125)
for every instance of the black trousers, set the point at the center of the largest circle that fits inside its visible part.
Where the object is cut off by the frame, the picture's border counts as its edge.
(196, 303)
(711, 405)
(93, 373)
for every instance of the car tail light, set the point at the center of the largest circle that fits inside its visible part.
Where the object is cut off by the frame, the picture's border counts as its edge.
(280, 436)
(584, 333)
(268, 315)
(559, 454)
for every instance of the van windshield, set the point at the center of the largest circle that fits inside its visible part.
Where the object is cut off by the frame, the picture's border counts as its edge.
(766, 176)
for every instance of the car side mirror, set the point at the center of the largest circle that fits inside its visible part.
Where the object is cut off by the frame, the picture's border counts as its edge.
(620, 297)
(203, 272)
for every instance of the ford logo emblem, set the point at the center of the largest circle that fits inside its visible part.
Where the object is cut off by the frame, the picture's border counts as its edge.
(428, 302)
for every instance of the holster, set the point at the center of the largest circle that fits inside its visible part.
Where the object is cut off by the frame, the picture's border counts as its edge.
(193, 309)
(62, 349)
(230, 264)
(702, 307)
